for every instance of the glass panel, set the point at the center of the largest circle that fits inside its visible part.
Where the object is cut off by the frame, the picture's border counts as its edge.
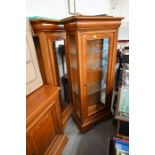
(62, 71)
(124, 101)
(74, 73)
(97, 62)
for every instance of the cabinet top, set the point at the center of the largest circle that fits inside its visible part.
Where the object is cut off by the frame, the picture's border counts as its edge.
(61, 21)
(39, 99)
(38, 20)
(75, 22)
(43, 24)
(91, 22)
(105, 18)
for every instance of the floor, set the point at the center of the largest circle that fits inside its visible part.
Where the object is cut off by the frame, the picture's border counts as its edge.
(93, 142)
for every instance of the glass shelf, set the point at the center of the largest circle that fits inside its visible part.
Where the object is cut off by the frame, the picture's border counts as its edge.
(93, 87)
(122, 110)
(97, 62)
(74, 67)
(95, 65)
(73, 52)
(94, 51)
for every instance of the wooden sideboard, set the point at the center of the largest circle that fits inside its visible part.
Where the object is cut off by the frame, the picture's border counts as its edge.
(44, 131)
(47, 33)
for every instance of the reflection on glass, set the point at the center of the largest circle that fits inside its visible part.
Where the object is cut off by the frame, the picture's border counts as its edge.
(97, 63)
(124, 101)
(62, 71)
(74, 71)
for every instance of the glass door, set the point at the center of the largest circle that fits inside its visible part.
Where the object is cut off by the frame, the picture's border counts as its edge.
(97, 61)
(62, 75)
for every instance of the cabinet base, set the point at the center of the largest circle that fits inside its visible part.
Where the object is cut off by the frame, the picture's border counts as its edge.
(91, 120)
(57, 147)
(66, 115)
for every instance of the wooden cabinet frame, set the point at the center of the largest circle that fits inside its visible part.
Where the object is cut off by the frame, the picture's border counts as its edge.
(46, 32)
(85, 28)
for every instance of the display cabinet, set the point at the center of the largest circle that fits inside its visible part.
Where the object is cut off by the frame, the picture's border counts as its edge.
(91, 44)
(50, 43)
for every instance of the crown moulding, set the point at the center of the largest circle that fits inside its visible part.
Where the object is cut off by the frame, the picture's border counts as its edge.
(47, 25)
(77, 22)
(81, 22)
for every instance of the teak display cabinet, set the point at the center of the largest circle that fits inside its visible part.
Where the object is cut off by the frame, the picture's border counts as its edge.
(47, 33)
(91, 45)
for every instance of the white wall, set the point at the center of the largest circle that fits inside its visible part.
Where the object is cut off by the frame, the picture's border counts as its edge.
(55, 9)
(93, 7)
(58, 9)
(121, 8)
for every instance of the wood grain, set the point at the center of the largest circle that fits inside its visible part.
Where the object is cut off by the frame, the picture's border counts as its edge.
(84, 29)
(43, 122)
(47, 32)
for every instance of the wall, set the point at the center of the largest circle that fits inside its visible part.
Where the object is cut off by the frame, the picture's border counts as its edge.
(58, 9)
(89, 7)
(55, 9)
(121, 8)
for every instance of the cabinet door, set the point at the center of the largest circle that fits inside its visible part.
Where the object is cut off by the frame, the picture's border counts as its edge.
(44, 131)
(98, 57)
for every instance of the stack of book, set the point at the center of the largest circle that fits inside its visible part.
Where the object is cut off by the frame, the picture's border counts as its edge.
(119, 146)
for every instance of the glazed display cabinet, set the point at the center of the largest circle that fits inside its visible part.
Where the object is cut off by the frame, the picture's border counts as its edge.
(91, 45)
(50, 43)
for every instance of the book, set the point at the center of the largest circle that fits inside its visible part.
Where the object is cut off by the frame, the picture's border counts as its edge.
(121, 146)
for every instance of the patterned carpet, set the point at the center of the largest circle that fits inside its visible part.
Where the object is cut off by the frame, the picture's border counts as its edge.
(93, 142)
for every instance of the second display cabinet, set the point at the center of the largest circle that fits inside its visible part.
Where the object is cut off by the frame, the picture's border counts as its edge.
(92, 43)
(50, 43)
